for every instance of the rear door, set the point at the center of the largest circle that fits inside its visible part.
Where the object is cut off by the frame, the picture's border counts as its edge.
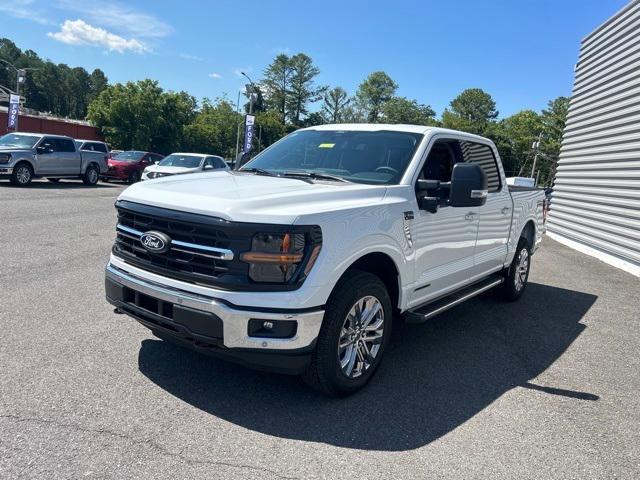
(494, 217)
(68, 159)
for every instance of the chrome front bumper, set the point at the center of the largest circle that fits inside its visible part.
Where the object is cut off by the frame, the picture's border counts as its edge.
(6, 170)
(235, 320)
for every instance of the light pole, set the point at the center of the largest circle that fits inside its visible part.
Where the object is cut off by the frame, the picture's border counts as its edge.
(251, 92)
(21, 74)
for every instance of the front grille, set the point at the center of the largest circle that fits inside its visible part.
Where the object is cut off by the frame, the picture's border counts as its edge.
(194, 255)
(203, 250)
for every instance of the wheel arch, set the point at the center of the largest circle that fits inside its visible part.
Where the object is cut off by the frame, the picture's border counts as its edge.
(384, 267)
(529, 233)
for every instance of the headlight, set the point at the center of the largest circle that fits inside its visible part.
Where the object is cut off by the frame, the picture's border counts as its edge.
(5, 157)
(282, 257)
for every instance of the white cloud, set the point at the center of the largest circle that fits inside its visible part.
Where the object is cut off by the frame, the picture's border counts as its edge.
(188, 56)
(215, 75)
(279, 50)
(118, 17)
(23, 9)
(79, 32)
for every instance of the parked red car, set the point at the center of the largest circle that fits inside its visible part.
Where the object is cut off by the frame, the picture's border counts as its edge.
(128, 166)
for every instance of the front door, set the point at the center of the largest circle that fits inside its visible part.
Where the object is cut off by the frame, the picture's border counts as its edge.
(444, 241)
(47, 155)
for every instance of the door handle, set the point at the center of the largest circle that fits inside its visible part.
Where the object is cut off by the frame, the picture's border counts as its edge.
(505, 210)
(471, 216)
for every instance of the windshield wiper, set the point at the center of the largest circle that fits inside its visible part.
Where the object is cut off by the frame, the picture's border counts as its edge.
(258, 171)
(315, 176)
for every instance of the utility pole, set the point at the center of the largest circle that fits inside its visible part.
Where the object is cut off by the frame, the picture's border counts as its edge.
(535, 157)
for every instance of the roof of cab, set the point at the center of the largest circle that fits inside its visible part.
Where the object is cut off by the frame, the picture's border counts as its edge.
(376, 127)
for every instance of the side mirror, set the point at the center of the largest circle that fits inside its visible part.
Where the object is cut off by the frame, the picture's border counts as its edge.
(468, 186)
(156, 162)
(208, 167)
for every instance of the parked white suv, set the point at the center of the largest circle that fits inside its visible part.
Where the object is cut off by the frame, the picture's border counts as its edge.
(300, 261)
(178, 163)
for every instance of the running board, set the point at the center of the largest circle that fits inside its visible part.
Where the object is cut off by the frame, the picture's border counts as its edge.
(423, 313)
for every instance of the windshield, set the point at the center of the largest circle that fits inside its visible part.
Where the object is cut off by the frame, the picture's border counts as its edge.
(364, 157)
(16, 140)
(131, 156)
(175, 160)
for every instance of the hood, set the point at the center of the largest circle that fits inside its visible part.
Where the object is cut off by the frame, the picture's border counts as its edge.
(112, 162)
(5, 149)
(170, 170)
(246, 197)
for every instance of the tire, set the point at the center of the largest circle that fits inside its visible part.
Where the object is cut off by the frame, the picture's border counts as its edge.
(340, 371)
(22, 175)
(134, 177)
(53, 180)
(91, 175)
(517, 275)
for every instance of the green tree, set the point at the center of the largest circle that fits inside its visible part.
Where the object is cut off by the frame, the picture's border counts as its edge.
(277, 84)
(514, 137)
(554, 118)
(377, 89)
(213, 129)
(142, 116)
(334, 104)
(269, 128)
(472, 111)
(303, 89)
(59, 89)
(403, 110)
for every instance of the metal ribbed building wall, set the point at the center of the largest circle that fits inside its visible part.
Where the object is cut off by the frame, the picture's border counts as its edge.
(596, 201)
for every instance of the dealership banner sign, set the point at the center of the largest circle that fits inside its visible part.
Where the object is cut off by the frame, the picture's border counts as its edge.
(14, 108)
(249, 122)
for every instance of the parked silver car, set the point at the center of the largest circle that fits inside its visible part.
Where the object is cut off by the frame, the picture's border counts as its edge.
(24, 156)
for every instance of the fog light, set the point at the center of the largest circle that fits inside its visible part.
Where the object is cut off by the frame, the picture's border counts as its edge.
(272, 328)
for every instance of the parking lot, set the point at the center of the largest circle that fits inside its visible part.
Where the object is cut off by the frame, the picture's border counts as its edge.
(543, 388)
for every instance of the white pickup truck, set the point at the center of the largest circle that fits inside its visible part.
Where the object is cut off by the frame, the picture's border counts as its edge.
(300, 261)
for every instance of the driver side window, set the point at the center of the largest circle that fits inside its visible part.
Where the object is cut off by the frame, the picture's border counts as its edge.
(439, 166)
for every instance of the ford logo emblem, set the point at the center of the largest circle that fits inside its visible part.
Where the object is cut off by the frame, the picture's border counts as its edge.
(155, 242)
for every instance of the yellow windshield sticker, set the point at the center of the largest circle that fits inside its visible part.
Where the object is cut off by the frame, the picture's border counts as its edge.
(326, 145)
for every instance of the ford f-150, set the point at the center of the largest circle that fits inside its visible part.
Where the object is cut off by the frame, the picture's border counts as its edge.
(300, 261)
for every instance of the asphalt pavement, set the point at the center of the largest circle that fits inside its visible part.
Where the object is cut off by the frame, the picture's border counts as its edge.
(547, 387)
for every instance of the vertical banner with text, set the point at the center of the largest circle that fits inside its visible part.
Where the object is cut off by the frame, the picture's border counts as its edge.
(249, 122)
(12, 114)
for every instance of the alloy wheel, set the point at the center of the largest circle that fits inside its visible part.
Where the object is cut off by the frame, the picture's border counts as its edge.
(361, 336)
(23, 175)
(522, 269)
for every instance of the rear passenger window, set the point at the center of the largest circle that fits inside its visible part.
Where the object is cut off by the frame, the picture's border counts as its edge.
(483, 156)
(64, 145)
(99, 147)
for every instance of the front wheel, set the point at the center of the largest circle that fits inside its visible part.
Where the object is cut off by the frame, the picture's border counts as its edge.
(517, 275)
(134, 177)
(91, 175)
(22, 175)
(354, 333)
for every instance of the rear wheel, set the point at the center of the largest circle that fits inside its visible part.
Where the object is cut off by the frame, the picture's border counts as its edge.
(354, 333)
(22, 175)
(91, 175)
(517, 275)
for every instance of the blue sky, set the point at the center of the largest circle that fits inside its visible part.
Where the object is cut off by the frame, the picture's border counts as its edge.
(521, 51)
